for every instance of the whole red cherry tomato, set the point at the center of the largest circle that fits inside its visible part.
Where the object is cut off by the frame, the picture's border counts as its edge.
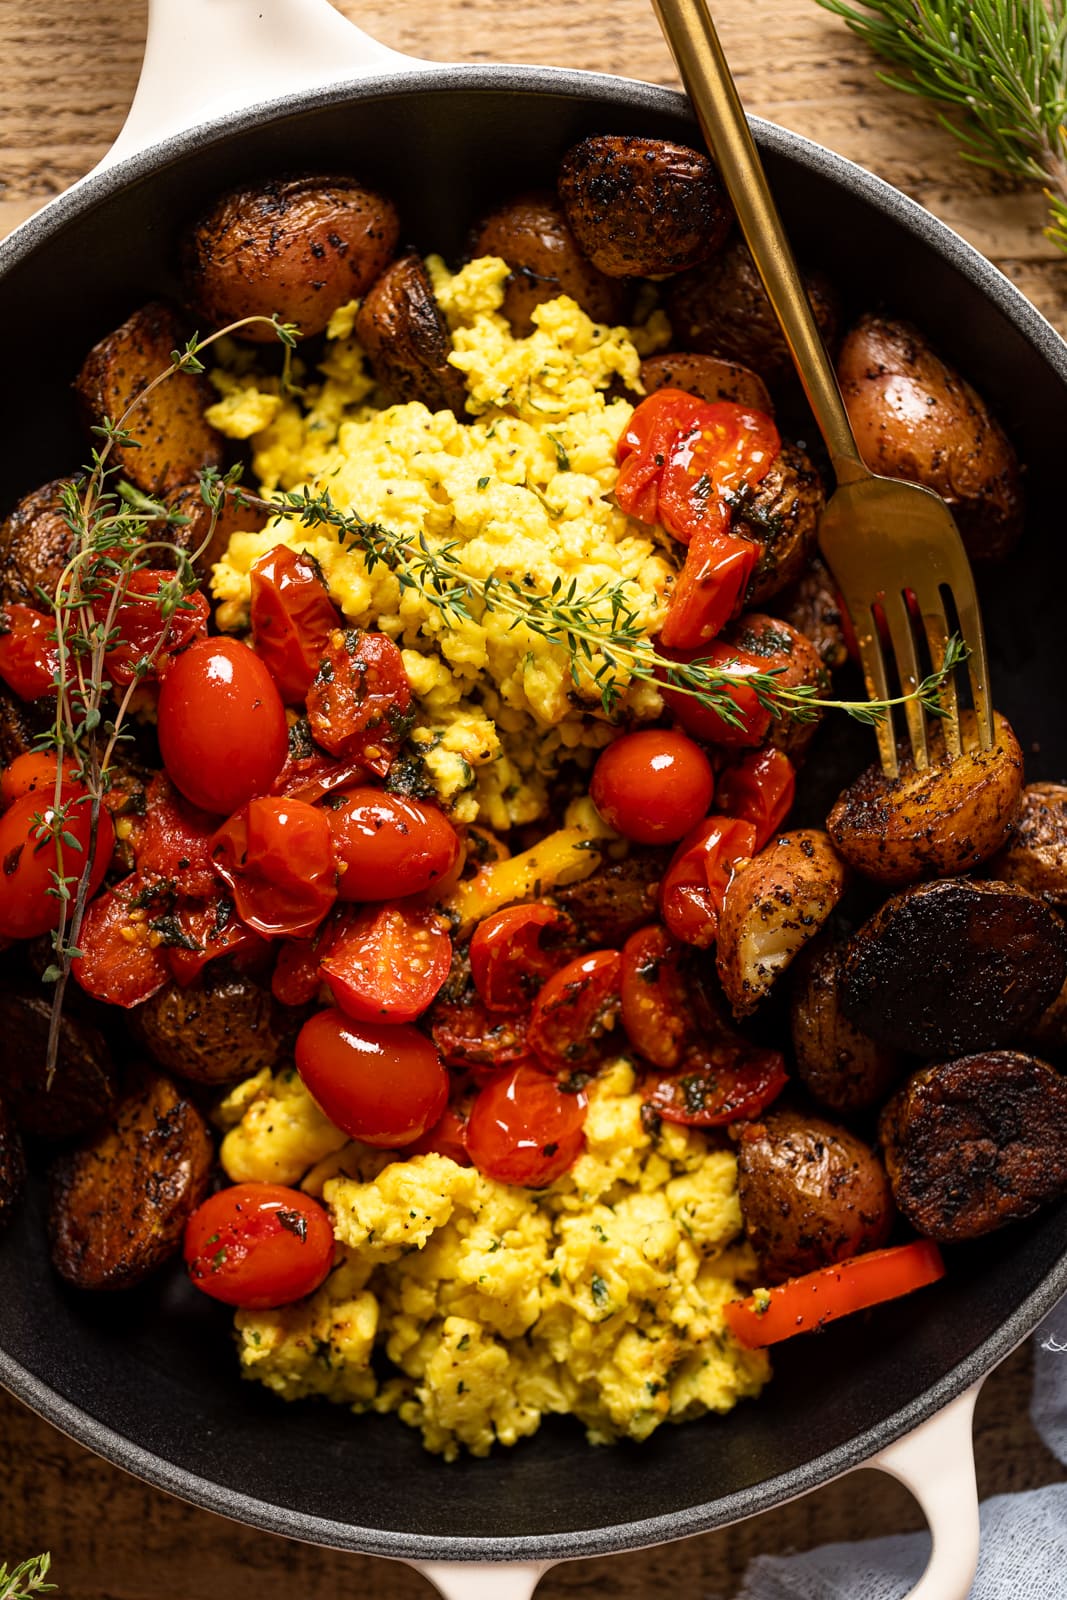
(508, 958)
(652, 786)
(758, 788)
(656, 1006)
(575, 1010)
(29, 654)
(31, 835)
(750, 720)
(34, 772)
(258, 1245)
(123, 961)
(389, 847)
(292, 618)
(384, 1085)
(524, 1129)
(358, 704)
(447, 1137)
(694, 886)
(721, 1083)
(476, 1040)
(174, 843)
(277, 857)
(221, 724)
(138, 628)
(388, 963)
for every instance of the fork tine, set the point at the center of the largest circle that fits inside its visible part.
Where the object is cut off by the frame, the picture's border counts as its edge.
(874, 675)
(900, 632)
(935, 623)
(977, 666)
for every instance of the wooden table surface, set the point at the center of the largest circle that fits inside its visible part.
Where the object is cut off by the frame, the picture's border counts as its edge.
(69, 75)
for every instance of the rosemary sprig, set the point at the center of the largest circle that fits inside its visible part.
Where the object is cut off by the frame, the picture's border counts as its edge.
(1003, 63)
(27, 1579)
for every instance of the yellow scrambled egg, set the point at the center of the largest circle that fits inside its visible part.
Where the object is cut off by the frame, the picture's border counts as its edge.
(600, 1297)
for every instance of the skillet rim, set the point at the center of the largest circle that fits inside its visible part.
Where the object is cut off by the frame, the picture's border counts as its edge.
(112, 1446)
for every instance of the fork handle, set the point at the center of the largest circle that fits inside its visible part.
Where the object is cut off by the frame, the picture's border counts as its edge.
(694, 43)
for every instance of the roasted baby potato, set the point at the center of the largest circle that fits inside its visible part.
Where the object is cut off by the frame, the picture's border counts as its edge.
(710, 377)
(617, 899)
(914, 417)
(782, 514)
(236, 516)
(976, 1143)
(407, 343)
(173, 442)
(1036, 853)
(224, 1026)
(812, 607)
(298, 248)
(837, 1064)
(35, 545)
(22, 723)
(948, 818)
(811, 1193)
(950, 967)
(83, 1090)
(641, 208)
(532, 236)
(12, 1166)
(722, 309)
(118, 1203)
(1049, 1031)
(774, 905)
(794, 660)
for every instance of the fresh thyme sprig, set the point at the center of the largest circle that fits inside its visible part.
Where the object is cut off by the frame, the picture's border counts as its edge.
(1002, 62)
(27, 1579)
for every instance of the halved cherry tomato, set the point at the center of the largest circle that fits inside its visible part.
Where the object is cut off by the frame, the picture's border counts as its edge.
(656, 1008)
(807, 1303)
(759, 788)
(524, 1129)
(694, 886)
(389, 847)
(703, 721)
(384, 1085)
(34, 772)
(470, 1037)
(653, 429)
(717, 451)
(201, 932)
(359, 701)
(388, 963)
(722, 1082)
(309, 773)
(29, 654)
(221, 724)
(258, 1245)
(652, 786)
(175, 841)
(292, 618)
(123, 961)
(138, 628)
(447, 1137)
(31, 835)
(277, 857)
(711, 588)
(575, 1010)
(507, 956)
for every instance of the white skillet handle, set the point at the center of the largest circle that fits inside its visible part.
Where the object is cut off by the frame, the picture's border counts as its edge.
(936, 1462)
(205, 58)
(460, 1580)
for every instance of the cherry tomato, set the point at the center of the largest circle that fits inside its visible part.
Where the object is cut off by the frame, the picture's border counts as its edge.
(653, 429)
(722, 1082)
(391, 847)
(29, 859)
(807, 1303)
(202, 931)
(575, 1009)
(448, 1137)
(524, 1129)
(138, 628)
(175, 842)
(470, 1037)
(309, 773)
(652, 786)
(34, 772)
(384, 1085)
(694, 886)
(758, 788)
(656, 1008)
(389, 963)
(507, 956)
(123, 961)
(358, 704)
(258, 1245)
(703, 721)
(298, 975)
(221, 723)
(711, 589)
(292, 618)
(277, 857)
(29, 654)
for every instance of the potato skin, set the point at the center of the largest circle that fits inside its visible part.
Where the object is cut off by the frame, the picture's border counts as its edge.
(83, 1090)
(837, 1064)
(174, 440)
(951, 967)
(775, 904)
(35, 545)
(811, 1193)
(223, 1027)
(915, 417)
(21, 723)
(782, 514)
(973, 1144)
(234, 517)
(407, 342)
(298, 246)
(1049, 1030)
(710, 377)
(1035, 855)
(531, 234)
(642, 207)
(946, 819)
(615, 900)
(782, 649)
(118, 1204)
(12, 1166)
(812, 607)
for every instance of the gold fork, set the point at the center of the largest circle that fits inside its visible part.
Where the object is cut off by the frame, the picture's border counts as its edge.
(882, 538)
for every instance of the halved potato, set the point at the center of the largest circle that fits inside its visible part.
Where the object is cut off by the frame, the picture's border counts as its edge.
(836, 1062)
(532, 236)
(1036, 853)
(404, 334)
(782, 514)
(946, 819)
(35, 545)
(710, 377)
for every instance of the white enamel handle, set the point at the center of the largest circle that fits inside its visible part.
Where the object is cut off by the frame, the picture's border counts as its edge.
(462, 1580)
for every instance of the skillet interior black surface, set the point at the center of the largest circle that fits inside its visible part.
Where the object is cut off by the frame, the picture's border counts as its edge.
(148, 1379)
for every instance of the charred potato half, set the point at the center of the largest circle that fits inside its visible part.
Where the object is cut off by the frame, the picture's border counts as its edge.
(531, 234)
(914, 417)
(973, 1144)
(298, 247)
(775, 904)
(223, 1027)
(617, 899)
(709, 377)
(782, 649)
(641, 208)
(119, 1203)
(83, 1090)
(22, 723)
(236, 516)
(35, 545)
(12, 1166)
(782, 514)
(837, 1064)
(813, 608)
(947, 818)
(406, 340)
(1035, 856)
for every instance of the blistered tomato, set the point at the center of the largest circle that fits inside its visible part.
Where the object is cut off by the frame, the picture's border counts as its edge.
(652, 786)
(221, 724)
(384, 1085)
(258, 1245)
(389, 846)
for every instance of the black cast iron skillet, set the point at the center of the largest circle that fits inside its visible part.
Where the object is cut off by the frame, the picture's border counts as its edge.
(148, 1379)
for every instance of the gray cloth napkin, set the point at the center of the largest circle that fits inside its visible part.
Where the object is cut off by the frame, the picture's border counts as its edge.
(1024, 1536)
